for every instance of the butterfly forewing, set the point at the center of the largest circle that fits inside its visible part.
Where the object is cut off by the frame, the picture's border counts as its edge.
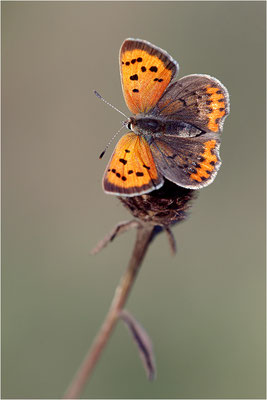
(146, 71)
(196, 99)
(189, 162)
(131, 170)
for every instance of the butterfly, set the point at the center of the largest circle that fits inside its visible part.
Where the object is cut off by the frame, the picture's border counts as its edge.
(175, 128)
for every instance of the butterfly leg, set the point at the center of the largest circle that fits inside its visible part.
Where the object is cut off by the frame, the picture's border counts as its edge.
(121, 227)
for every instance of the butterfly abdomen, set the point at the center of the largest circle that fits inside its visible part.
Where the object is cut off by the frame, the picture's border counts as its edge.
(181, 129)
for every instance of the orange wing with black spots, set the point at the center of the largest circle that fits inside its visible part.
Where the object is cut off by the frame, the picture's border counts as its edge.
(199, 100)
(146, 71)
(189, 162)
(131, 170)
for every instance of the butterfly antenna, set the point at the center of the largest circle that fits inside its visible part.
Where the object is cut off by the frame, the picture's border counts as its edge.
(103, 152)
(105, 101)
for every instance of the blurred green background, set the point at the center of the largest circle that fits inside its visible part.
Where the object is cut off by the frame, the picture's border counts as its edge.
(203, 308)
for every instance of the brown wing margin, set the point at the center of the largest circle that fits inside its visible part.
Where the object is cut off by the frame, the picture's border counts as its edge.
(133, 44)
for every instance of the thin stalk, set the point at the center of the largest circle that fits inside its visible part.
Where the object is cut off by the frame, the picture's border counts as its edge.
(143, 238)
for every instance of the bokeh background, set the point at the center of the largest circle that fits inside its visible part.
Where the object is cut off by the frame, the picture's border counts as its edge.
(203, 308)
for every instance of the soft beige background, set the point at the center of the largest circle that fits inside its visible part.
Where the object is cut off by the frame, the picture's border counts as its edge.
(204, 308)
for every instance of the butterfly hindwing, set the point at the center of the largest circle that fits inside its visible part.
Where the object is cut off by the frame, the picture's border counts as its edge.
(146, 71)
(131, 170)
(199, 100)
(189, 162)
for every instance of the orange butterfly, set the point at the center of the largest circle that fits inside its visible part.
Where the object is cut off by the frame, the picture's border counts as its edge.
(175, 130)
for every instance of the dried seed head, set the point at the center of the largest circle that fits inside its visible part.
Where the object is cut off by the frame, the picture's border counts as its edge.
(164, 206)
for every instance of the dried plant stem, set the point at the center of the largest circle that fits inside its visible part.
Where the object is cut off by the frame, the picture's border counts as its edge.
(144, 236)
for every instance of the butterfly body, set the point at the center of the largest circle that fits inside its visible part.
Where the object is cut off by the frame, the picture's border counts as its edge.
(151, 127)
(175, 130)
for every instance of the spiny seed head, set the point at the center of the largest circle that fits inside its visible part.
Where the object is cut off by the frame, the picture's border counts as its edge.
(163, 207)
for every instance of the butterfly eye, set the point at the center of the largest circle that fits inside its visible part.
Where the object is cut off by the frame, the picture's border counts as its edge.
(129, 125)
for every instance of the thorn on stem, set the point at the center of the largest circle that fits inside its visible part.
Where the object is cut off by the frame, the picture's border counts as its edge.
(171, 239)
